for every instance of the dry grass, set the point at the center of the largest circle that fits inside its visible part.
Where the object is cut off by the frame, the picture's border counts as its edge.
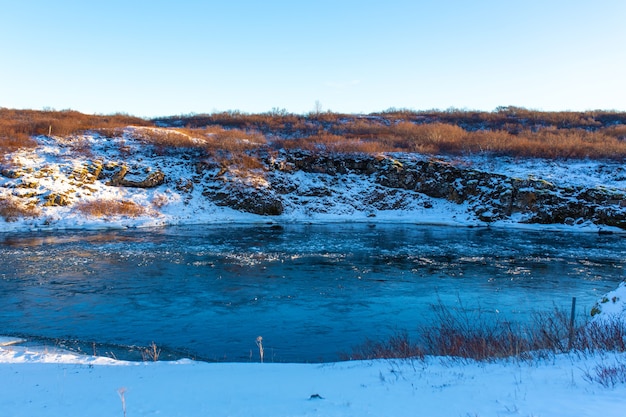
(59, 123)
(398, 346)
(325, 142)
(211, 139)
(10, 142)
(507, 131)
(17, 127)
(106, 208)
(165, 139)
(12, 209)
(159, 201)
(474, 335)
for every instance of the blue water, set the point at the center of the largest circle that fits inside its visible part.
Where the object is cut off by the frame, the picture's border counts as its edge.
(313, 292)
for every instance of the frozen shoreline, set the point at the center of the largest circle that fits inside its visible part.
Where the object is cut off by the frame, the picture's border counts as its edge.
(56, 383)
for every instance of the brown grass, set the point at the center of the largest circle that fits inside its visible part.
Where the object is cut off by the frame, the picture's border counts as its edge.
(509, 131)
(14, 142)
(474, 335)
(165, 139)
(209, 139)
(439, 138)
(105, 208)
(60, 123)
(325, 142)
(18, 126)
(12, 209)
(398, 346)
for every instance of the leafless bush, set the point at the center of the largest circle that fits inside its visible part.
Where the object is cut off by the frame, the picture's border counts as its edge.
(398, 346)
(165, 139)
(59, 123)
(607, 376)
(159, 200)
(10, 142)
(608, 335)
(510, 131)
(152, 352)
(105, 207)
(475, 335)
(12, 209)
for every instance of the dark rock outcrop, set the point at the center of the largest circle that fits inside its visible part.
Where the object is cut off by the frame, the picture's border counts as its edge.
(248, 199)
(154, 179)
(489, 196)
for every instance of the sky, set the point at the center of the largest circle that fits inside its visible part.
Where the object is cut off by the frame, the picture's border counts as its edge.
(158, 58)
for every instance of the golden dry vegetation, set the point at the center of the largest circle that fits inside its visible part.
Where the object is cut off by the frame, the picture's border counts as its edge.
(508, 131)
(17, 127)
(106, 208)
(11, 209)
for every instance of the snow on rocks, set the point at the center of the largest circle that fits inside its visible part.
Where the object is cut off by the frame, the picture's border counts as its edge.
(53, 186)
(612, 305)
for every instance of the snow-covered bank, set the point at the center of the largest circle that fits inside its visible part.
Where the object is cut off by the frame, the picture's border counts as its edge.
(57, 383)
(96, 182)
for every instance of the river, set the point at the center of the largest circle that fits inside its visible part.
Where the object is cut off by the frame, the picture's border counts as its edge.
(313, 292)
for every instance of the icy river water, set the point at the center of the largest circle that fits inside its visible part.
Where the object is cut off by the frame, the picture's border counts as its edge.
(313, 292)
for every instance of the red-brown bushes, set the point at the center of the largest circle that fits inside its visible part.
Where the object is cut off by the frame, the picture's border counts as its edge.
(12, 209)
(104, 208)
(510, 131)
(60, 123)
(398, 346)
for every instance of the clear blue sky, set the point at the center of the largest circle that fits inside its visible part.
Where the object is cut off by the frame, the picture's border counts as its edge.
(155, 58)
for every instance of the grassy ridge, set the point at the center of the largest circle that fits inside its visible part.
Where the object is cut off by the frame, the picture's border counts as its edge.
(508, 131)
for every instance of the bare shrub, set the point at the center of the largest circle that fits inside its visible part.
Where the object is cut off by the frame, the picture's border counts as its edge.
(607, 376)
(512, 131)
(12, 209)
(398, 346)
(165, 139)
(325, 142)
(248, 162)
(608, 334)
(104, 208)
(472, 335)
(12, 141)
(152, 352)
(110, 132)
(550, 330)
(475, 335)
(235, 140)
(159, 200)
(60, 123)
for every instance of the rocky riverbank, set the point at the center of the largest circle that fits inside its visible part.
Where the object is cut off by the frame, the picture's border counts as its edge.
(95, 180)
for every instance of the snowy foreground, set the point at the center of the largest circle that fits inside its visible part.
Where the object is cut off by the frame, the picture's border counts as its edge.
(55, 383)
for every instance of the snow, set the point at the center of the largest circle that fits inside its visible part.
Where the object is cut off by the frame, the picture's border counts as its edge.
(51, 168)
(55, 383)
(613, 305)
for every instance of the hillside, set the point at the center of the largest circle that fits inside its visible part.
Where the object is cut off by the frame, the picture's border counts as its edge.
(127, 172)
